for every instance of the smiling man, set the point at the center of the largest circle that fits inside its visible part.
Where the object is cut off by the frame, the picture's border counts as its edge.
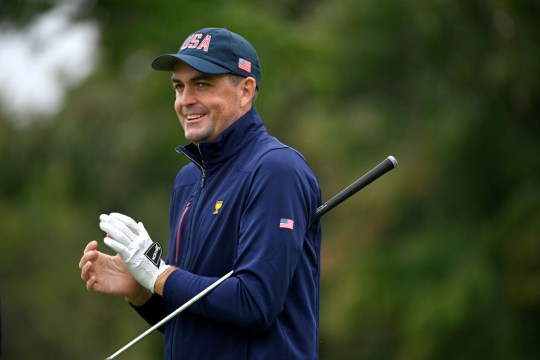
(208, 104)
(245, 202)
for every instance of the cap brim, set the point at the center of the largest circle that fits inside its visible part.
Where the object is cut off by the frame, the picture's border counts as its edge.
(168, 62)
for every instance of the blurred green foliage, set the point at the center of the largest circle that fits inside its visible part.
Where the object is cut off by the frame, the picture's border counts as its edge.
(440, 259)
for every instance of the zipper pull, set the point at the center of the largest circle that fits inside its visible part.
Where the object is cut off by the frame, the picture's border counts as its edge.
(203, 178)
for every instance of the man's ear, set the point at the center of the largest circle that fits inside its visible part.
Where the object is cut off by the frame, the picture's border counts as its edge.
(248, 86)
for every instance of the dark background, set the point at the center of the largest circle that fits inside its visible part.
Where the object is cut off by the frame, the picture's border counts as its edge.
(439, 259)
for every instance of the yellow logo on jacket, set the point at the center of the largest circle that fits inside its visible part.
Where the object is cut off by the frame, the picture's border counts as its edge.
(218, 206)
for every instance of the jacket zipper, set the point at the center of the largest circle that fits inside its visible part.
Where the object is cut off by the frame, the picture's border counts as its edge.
(203, 177)
(194, 160)
(189, 204)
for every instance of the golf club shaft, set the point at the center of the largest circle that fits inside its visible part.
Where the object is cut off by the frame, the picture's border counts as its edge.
(388, 164)
(171, 315)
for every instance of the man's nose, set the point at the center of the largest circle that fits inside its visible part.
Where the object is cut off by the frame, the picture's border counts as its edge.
(187, 97)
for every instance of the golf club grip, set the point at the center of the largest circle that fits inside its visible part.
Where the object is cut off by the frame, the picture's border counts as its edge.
(386, 165)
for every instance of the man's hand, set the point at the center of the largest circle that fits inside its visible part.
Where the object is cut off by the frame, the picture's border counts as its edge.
(109, 275)
(131, 241)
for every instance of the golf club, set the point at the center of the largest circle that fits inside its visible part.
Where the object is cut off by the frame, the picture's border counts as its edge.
(386, 165)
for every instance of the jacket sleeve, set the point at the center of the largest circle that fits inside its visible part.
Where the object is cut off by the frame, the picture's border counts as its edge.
(153, 311)
(282, 188)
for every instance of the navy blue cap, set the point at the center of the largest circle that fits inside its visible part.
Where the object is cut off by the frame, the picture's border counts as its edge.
(214, 51)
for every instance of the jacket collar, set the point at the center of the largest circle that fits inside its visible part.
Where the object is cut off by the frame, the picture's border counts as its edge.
(210, 154)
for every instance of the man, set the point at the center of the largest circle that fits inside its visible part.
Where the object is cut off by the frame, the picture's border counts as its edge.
(246, 202)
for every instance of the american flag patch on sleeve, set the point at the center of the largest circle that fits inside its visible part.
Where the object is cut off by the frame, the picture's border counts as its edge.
(286, 223)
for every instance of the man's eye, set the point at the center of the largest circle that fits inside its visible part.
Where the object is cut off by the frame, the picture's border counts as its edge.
(203, 84)
(178, 87)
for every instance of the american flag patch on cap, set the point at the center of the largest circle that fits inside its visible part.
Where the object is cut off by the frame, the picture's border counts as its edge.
(286, 223)
(244, 65)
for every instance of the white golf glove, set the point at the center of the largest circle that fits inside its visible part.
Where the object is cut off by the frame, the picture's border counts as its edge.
(131, 241)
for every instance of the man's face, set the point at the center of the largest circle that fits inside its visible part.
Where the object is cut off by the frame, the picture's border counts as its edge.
(206, 104)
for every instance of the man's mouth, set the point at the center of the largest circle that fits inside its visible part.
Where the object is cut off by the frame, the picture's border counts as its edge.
(194, 117)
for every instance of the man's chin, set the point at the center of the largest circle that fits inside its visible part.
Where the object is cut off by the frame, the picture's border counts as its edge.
(195, 138)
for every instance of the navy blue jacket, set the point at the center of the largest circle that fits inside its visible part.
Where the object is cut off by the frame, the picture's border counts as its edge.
(247, 203)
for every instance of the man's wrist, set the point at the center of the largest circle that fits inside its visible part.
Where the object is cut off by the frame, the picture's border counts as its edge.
(161, 279)
(140, 298)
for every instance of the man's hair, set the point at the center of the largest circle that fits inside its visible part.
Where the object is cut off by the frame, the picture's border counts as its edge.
(235, 80)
